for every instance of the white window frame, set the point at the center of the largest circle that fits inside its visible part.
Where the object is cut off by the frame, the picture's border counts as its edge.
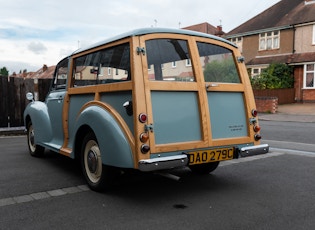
(269, 40)
(313, 35)
(305, 75)
(174, 64)
(259, 70)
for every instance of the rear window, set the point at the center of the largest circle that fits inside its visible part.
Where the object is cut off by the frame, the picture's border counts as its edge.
(169, 60)
(217, 63)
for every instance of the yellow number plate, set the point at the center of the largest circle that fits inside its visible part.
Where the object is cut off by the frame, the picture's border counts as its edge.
(212, 155)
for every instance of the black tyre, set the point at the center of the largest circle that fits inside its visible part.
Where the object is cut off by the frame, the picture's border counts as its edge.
(98, 176)
(204, 168)
(35, 150)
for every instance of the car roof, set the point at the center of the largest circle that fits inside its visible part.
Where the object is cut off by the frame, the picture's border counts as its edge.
(152, 30)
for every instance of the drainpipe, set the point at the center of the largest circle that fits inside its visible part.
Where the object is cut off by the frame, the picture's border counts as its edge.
(294, 29)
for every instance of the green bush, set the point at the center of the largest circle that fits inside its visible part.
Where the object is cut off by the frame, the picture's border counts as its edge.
(221, 71)
(276, 76)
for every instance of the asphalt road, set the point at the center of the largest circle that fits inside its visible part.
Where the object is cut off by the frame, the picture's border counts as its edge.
(272, 191)
(289, 135)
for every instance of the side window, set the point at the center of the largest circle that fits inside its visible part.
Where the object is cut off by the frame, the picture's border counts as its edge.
(106, 66)
(217, 63)
(60, 77)
(169, 60)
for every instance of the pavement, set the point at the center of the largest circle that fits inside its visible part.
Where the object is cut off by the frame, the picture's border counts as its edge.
(296, 112)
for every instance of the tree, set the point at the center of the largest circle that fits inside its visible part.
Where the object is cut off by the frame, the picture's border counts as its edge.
(275, 76)
(4, 72)
(221, 71)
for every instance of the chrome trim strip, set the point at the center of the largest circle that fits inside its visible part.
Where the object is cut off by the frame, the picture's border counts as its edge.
(161, 163)
(254, 150)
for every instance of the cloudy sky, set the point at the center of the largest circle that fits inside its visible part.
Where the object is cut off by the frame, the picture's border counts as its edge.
(37, 32)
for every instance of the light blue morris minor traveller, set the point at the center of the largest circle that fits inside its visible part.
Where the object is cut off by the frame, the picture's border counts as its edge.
(152, 99)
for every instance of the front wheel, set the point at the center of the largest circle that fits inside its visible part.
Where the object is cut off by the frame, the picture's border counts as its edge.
(98, 176)
(204, 168)
(35, 150)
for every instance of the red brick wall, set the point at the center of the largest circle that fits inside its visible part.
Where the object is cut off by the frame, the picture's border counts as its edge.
(308, 95)
(266, 104)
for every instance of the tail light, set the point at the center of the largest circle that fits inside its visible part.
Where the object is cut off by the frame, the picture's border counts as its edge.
(145, 148)
(144, 137)
(257, 137)
(254, 113)
(256, 128)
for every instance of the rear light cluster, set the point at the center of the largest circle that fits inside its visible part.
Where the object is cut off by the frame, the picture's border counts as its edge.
(144, 137)
(256, 127)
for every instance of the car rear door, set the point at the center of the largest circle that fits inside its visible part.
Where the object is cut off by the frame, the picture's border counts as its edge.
(197, 96)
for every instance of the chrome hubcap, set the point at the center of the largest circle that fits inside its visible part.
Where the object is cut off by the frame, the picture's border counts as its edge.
(32, 137)
(92, 161)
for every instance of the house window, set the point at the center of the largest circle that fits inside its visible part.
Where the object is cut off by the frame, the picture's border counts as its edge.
(309, 75)
(188, 62)
(256, 71)
(174, 64)
(269, 40)
(237, 41)
(314, 34)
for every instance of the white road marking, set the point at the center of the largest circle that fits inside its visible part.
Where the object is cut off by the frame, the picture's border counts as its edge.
(42, 195)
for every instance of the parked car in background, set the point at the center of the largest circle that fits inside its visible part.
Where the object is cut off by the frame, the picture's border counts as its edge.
(151, 99)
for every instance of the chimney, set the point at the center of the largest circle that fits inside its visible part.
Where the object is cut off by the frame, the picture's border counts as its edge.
(45, 68)
(24, 74)
(219, 32)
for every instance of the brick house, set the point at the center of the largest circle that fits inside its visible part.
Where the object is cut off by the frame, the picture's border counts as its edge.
(284, 33)
(206, 28)
(46, 72)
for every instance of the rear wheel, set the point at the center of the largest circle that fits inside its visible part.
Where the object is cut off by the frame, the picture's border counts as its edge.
(204, 168)
(35, 150)
(98, 176)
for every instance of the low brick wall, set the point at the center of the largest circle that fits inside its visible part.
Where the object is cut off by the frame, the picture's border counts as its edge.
(285, 96)
(266, 104)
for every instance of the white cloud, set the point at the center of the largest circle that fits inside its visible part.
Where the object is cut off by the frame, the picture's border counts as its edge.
(41, 32)
(37, 47)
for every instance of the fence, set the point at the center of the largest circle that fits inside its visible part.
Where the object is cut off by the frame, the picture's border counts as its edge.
(285, 96)
(13, 100)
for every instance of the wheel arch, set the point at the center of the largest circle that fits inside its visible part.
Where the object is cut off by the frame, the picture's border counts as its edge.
(37, 113)
(115, 148)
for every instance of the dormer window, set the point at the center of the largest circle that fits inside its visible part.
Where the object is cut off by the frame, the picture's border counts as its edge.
(269, 40)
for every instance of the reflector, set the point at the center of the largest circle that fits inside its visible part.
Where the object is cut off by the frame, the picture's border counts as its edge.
(254, 112)
(143, 117)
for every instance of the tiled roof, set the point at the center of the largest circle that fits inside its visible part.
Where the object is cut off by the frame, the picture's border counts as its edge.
(42, 73)
(269, 59)
(296, 58)
(206, 28)
(284, 13)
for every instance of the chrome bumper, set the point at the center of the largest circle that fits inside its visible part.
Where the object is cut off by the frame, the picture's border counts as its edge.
(170, 162)
(253, 150)
(163, 163)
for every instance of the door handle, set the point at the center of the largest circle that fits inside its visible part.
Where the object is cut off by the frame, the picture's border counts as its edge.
(211, 85)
